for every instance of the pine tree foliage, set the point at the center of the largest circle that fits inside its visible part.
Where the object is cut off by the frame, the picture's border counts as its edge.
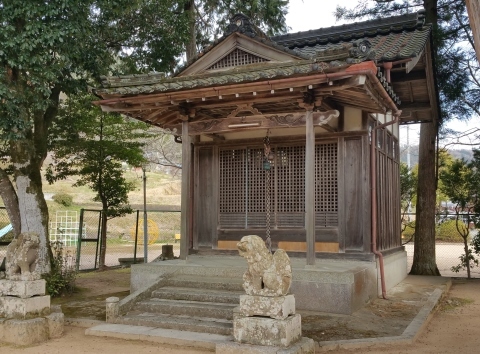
(209, 18)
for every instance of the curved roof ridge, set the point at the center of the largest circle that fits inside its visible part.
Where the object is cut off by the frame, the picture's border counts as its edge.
(353, 30)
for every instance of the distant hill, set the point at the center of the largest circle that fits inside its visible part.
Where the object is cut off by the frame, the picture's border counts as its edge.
(466, 154)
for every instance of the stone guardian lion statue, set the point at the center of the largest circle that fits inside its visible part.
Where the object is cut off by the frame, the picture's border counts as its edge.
(267, 274)
(22, 255)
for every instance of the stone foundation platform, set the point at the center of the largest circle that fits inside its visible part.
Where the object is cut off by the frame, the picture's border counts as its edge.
(303, 346)
(26, 316)
(332, 286)
(31, 331)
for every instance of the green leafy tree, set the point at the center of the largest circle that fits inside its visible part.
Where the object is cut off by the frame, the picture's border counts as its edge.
(460, 184)
(209, 18)
(408, 191)
(92, 144)
(454, 77)
(60, 46)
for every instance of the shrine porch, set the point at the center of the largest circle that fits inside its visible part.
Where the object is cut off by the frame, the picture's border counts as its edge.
(332, 286)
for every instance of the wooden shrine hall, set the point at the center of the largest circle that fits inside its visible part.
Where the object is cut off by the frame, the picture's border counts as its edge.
(294, 138)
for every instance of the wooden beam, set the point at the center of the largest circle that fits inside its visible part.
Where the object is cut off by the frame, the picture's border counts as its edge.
(155, 113)
(344, 84)
(415, 107)
(185, 197)
(266, 121)
(215, 137)
(310, 186)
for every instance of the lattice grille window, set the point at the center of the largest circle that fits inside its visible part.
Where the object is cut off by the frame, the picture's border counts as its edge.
(232, 188)
(290, 177)
(237, 57)
(242, 187)
(326, 185)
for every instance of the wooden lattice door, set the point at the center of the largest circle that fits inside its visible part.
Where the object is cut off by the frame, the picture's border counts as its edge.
(243, 188)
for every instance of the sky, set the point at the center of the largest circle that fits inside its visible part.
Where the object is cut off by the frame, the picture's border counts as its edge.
(304, 15)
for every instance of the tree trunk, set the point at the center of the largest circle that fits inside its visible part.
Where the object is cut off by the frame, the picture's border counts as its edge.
(424, 262)
(467, 255)
(103, 241)
(31, 201)
(191, 49)
(10, 200)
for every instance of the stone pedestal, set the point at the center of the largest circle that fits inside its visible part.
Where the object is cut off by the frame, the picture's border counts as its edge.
(267, 331)
(265, 321)
(264, 324)
(26, 316)
(22, 288)
(278, 307)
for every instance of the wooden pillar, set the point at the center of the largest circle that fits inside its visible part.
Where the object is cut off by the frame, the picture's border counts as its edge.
(310, 186)
(473, 9)
(185, 230)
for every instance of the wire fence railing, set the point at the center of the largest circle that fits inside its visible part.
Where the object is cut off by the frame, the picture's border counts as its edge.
(79, 232)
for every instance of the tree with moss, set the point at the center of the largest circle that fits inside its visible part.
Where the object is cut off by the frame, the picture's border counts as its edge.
(59, 47)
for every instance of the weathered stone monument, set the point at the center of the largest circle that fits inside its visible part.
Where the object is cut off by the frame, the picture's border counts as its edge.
(265, 321)
(26, 316)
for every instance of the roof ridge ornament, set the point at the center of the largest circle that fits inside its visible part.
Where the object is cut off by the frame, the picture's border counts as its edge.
(361, 50)
(242, 24)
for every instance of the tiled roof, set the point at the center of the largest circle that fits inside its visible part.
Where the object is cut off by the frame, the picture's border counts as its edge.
(142, 84)
(393, 38)
(328, 50)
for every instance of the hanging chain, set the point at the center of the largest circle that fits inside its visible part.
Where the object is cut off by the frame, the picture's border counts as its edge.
(267, 168)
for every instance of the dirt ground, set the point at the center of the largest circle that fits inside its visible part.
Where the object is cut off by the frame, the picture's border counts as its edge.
(454, 327)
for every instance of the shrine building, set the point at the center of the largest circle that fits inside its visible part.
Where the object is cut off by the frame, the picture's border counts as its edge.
(294, 138)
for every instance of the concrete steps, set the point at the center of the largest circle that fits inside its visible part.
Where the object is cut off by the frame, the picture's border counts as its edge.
(181, 323)
(186, 308)
(184, 339)
(189, 303)
(207, 295)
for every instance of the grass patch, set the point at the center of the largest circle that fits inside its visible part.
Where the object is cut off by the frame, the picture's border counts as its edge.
(452, 303)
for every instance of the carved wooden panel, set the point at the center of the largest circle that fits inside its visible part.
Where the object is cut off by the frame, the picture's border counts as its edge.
(236, 58)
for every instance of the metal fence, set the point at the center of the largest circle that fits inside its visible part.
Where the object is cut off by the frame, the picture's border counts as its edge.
(79, 232)
(125, 238)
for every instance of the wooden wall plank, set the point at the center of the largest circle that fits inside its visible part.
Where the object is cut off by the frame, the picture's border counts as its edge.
(204, 226)
(341, 195)
(214, 216)
(352, 194)
(366, 195)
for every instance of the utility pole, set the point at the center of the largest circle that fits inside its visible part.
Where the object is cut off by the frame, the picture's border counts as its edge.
(408, 146)
(145, 225)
